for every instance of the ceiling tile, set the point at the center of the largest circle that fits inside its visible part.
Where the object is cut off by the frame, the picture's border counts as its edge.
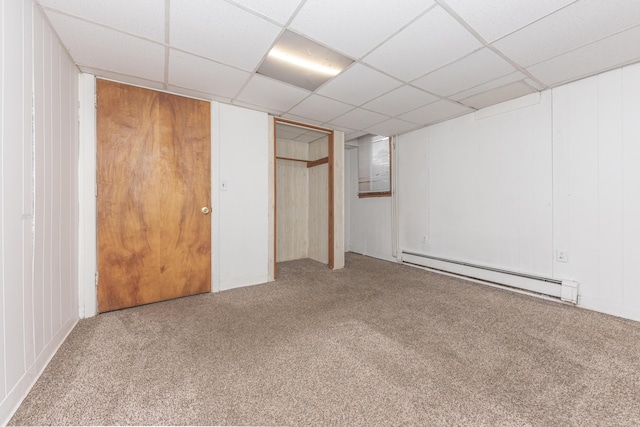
(284, 131)
(436, 112)
(358, 119)
(430, 42)
(391, 127)
(535, 84)
(618, 50)
(574, 26)
(499, 82)
(298, 133)
(354, 135)
(271, 94)
(493, 19)
(192, 72)
(479, 67)
(320, 108)
(267, 110)
(280, 11)
(310, 137)
(354, 27)
(501, 94)
(105, 49)
(123, 78)
(341, 128)
(197, 94)
(358, 85)
(303, 120)
(211, 29)
(141, 17)
(401, 100)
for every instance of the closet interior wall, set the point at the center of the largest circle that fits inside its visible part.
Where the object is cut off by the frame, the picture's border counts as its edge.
(318, 202)
(301, 201)
(292, 201)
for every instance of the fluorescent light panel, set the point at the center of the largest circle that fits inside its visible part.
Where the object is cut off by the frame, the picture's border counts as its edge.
(302, 62)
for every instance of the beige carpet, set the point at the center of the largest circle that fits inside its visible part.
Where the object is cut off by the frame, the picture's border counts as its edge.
(374, 344)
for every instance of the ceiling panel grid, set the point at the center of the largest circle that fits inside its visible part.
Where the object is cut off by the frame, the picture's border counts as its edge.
(411, 66)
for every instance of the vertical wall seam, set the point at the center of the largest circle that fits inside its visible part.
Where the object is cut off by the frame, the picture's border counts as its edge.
(597, 248)
(2, 278)
(553, 187)
(167, 40)
(622, 180)
(33, 180)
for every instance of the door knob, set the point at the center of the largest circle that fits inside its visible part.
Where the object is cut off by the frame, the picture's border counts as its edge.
(205, 210)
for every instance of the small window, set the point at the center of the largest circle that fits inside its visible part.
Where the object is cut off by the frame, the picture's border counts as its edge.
(374, 166)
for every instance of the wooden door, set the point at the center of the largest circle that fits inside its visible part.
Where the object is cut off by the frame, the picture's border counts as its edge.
(153, 167)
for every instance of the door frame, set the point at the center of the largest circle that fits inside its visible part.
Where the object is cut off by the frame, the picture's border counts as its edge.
(331, 186)
(87, 201)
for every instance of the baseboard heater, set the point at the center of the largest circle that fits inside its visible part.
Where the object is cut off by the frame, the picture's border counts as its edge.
(565, 290)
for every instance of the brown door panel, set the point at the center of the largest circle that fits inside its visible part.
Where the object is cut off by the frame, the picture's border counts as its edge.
(154, 242)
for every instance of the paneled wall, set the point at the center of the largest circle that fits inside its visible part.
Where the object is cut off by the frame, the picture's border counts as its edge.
(347, 197)
(38, 256)
(413, 190)
(478, 189)
(515, 187)
(318, 199)
(370, 218)
(241, 217)
(339, 203)
(596, 178)
(292, 201)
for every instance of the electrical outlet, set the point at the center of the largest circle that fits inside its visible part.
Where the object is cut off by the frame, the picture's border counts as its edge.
(562, 256)
(424, 239)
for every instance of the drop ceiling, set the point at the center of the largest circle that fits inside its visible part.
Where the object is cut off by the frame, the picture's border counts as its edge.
(298, 133)
(416, 62)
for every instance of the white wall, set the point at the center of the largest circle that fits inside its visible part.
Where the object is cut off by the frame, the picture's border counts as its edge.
(511, 187)
(597, 188)
(87, 242)
(347, 188)
(242, 139)
(38, 256)
(412, 190)
(478, 188)
(370, 218)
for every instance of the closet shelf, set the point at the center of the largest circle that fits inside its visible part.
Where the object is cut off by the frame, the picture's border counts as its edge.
(321, 161)
(310, 163)
(292, 159)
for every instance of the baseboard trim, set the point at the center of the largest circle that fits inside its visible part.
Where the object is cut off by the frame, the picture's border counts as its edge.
(609, 308)
(225, 285)
(15, 396)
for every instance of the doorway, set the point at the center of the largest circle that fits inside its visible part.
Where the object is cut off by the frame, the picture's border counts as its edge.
(304, 193)
(153, 196)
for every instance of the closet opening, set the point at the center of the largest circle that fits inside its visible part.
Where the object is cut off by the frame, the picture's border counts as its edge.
(304, 193)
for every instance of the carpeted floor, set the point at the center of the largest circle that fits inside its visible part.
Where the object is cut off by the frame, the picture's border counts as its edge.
(374, 344)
